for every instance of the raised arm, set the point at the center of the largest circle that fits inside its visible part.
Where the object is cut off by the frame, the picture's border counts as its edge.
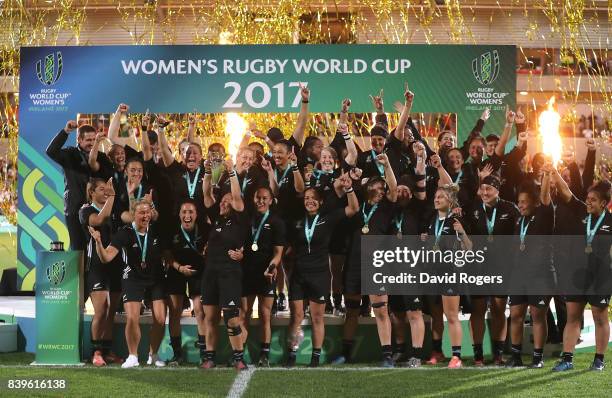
(500, 149)
(265, 164)
(420, 170)
(93, 154)
(54, 150)
(163, 143)
(302, 121)
(475, 132)
(298, 180)
(444, 177)
(377, 101)
(115, 122)
(401, 125)
(191, 129)
(562, 188)
(389, 177)
(209, 199)
(352, 206)
(589, 166)
(545, 189)
(237, 202)
(96, 220)
(351, 148)
(147, 153)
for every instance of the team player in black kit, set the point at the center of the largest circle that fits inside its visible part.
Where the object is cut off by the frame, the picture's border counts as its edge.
(263, 254)
(224, 245)
(222, 279)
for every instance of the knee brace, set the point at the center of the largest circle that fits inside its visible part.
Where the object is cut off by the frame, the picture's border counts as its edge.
(352, 304)
(379, 305)
(230, 313)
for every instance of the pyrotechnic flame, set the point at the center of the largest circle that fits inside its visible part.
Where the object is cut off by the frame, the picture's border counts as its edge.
(548, 123)
(235, 127)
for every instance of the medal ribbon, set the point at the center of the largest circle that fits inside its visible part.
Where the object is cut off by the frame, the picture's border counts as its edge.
(590, 233)
(257, 232)
(280, 182)
(142, 245)
(380, 167)
(366, 218)
(191, 185)
(490, 223)
(309, 230)
(188, 238)
(524, 228)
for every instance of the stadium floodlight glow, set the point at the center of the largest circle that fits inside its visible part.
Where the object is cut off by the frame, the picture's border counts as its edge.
(235, 127)
(548, 124)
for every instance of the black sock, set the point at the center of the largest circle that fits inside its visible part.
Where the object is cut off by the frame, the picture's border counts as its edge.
(238, 355)
(417, 352)
(436, 345)
(538, 354)
(456, 349)
(292, 352)
(347, 348)
(337, 299)
(201, 344)
(567, 357)
(478, 353)
(599, 356)
(316, 356)
(210, 355)
(498, 348)
(96, 345)
(176, 344)
(516, 351)
(265, 350)
(106, 346)
(399, 348)
(387, 351)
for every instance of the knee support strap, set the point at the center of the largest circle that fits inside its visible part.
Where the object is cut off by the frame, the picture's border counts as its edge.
(228, 314)
(379, 305)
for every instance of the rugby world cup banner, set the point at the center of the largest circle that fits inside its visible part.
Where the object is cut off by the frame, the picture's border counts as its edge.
(56, 83)
(57, 303)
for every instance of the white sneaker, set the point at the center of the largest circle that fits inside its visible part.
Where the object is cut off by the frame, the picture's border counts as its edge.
(154, 359)
(130, 362)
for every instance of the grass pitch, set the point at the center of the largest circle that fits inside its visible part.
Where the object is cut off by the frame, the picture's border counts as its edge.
(326, 381)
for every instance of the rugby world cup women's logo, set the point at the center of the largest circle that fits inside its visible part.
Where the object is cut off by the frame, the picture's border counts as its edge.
(486, 67)
(51, 71)
(56, 272)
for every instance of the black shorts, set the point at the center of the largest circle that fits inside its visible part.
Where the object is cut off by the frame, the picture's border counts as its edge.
(254, 283)
(351, 279)
(176, 283)
(533, 301)
(310, 285)
(134, 289)
(222, 285)
(104, 277)
(594, 301)
(405, 303)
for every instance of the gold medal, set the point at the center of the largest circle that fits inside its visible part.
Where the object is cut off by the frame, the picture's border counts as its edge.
(399, 235)
(522, 247)
(143, 265)
(588, 249)
(254, 247)
(490, 238)
(365, 229)
(436, 247)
